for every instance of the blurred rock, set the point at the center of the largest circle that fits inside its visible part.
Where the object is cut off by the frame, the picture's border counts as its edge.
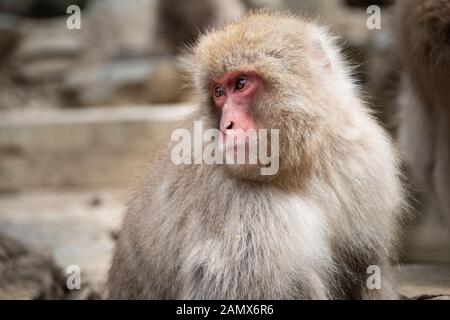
(28, 275)
(118, 56)
(423, 281)
(426, 238)
(15, 7)
(137, 28)
(38, 8)
(9, 35)
(44, 70)
(122, 28)
(117, 82)
(181, 21)
(441, 298)
(32, 76)
(80, 147)
(49, 40)
(98, 83)
(47, 51)
(65, 227)
(21, 96)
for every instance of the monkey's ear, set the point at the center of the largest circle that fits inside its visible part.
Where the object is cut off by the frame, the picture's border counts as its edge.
(320, 54)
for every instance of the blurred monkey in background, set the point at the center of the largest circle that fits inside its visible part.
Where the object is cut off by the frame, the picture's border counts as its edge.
(423, 33)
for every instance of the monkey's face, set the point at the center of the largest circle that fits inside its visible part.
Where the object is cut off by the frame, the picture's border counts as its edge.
(254, 117)
(255, 77)
(234, 97)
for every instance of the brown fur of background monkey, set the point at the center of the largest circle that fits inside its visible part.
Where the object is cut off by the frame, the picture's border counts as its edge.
(423, 33)
(309, 232)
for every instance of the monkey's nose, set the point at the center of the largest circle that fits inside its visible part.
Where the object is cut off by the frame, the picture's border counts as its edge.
(226, 125)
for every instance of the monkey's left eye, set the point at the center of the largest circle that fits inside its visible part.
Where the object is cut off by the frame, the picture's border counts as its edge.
(218, 91)
(240, 83)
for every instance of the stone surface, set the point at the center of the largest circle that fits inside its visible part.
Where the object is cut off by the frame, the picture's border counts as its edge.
(48, 50)
(427, 240)
(80, 147)
(121, 28)
(141, 80)
(424, 281)
(9, 35)
(28, 275)
(72, 228)
(96, 83)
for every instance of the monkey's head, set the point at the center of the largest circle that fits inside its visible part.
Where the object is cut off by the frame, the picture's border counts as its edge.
(272, 71)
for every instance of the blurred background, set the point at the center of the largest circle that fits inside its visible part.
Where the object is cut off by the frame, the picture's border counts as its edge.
(80, 110)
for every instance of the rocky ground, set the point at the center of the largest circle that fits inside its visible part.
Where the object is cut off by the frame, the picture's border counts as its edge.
(58, 230)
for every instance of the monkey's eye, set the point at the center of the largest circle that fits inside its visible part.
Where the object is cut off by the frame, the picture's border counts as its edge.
(240, 83)
(218, 91)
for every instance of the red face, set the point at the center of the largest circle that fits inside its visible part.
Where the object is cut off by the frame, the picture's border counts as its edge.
(234, 94)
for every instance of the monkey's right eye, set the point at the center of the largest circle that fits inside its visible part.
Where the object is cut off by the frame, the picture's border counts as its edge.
(218, 91)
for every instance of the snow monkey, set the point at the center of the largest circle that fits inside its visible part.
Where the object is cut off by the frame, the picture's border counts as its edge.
(311, 230)
(423, 33)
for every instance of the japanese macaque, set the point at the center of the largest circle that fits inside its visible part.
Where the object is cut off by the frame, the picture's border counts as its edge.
(314, 228)
(423, 32)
